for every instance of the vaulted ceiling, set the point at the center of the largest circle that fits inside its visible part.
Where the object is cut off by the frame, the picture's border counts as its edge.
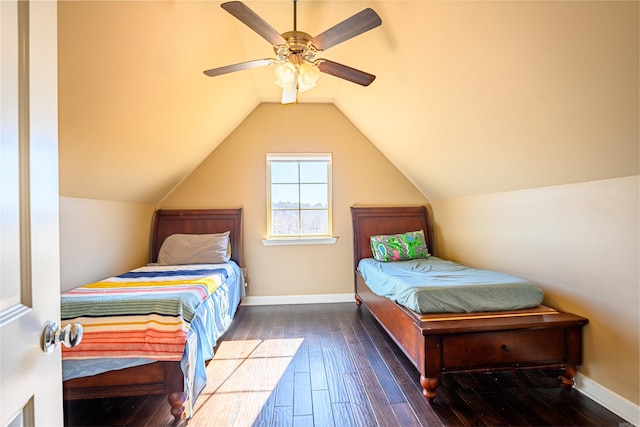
(470, 97)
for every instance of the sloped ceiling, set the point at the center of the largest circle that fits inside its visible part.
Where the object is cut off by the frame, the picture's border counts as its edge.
(470, 97)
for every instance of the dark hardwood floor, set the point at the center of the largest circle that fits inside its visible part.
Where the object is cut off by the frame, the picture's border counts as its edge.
(332, 365)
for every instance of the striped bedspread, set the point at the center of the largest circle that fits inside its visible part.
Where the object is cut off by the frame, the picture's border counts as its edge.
(145, 312)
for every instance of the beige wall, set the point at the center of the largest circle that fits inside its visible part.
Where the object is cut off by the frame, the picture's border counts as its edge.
(234, 175)
(580, 242)
(101, 238)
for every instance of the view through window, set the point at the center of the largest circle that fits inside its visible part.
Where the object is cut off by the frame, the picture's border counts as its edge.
(299, 195)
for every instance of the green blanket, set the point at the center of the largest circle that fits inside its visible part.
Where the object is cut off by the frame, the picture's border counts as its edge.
(434, 285)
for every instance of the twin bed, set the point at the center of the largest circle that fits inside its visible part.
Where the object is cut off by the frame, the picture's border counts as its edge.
(151, 330)
(497, 323)
(192, 304)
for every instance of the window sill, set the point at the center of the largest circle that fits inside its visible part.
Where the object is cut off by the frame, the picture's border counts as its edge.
(280, 241)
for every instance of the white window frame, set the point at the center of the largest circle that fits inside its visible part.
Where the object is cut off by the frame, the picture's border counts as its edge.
(299, 239)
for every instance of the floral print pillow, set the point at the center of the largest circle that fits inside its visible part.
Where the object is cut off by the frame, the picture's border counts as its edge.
(399, 247)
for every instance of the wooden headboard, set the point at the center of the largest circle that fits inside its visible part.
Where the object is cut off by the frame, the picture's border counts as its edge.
(198, 221)
(371, 221)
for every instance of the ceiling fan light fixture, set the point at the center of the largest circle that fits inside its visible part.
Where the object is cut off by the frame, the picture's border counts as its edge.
(286, 75)
(308, 75)
(302, 77)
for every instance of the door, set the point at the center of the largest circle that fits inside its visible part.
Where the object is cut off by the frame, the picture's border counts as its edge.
(30, 380)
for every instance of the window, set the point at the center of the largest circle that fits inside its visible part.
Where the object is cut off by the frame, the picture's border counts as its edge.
(298, 196)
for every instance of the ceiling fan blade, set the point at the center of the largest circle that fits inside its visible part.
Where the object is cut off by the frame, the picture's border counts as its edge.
(345, 72)
(359, 23)
(290, 96)
(239, 67)
(253, 21)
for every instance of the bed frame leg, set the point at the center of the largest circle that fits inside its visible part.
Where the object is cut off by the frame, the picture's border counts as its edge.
(567, 378)
(176, 400)
(358, 300)
(429, 386)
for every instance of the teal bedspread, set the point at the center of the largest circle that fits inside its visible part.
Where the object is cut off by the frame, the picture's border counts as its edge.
(434, 285)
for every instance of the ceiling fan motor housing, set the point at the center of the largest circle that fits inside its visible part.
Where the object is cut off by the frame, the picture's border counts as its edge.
(298, 46)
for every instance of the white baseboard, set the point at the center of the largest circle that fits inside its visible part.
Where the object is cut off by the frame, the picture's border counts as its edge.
(298, 299)
(612, 401)
(607, 398)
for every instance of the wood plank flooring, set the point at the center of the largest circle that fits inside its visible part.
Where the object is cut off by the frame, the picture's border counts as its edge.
(333, 365)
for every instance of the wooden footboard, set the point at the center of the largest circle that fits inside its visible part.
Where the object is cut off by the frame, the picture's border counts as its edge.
(153, 378)
(438, 344)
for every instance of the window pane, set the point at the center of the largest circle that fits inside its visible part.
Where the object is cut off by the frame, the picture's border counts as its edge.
(285, 222)
(313, 196)
(284, 171)
(313, 172)
(314, 222)
(285, 196)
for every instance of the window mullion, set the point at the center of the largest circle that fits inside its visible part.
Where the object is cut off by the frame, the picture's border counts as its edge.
(299, 203)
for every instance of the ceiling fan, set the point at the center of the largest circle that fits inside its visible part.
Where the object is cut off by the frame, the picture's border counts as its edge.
(298, 68)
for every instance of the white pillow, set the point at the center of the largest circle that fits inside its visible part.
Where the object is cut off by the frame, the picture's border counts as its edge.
(195, 249)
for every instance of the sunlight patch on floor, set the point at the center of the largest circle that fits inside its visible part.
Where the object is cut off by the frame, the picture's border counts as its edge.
(240, 379)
